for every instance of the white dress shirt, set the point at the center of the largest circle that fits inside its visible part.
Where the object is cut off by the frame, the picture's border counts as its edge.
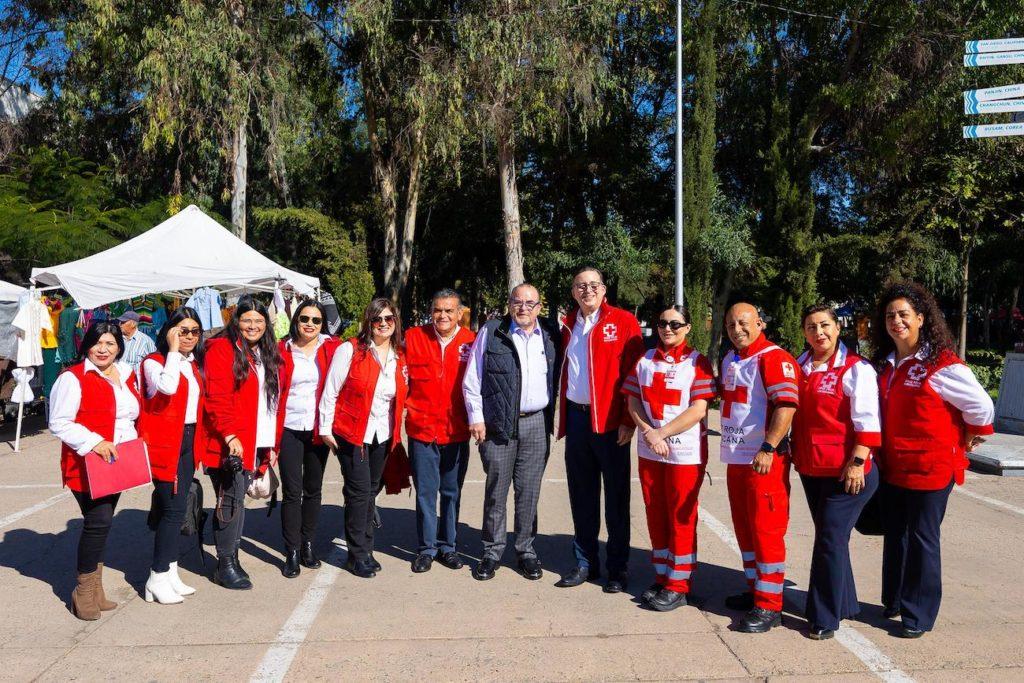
(958, 386)
(533, 385)
(266, 415)
(445, 342)
(577, 358)
(379, 424)
(300, 408)
(860, 385)
(66, 398)
(165, 378)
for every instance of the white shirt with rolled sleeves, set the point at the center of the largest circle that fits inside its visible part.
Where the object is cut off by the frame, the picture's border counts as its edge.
(860, 385)
(533, 385)
(164, 378)
(300, 408)
(66, 398)
(577, 358)
(958, 386)
(379, 424)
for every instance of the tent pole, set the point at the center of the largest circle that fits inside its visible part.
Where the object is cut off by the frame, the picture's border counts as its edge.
(21, 406)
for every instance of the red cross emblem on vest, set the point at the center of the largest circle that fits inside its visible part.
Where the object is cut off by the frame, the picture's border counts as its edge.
(659, 395)
(737, 395)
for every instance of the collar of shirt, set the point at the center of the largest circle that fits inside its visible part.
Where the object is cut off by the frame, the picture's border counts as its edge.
(449, 338)
(922, 354)
(122, 369)
(515, 329)
(672, 355)
(587, 320)
(759, 344)
(806, 360)
(319, 342)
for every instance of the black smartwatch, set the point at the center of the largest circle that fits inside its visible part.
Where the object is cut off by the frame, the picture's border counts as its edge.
(857, 460)
(767, 447)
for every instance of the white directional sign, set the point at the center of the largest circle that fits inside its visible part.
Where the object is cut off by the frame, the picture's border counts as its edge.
(1004, 92)
(1001, 45)
(997, 107)
(993, 58)
(996, 130)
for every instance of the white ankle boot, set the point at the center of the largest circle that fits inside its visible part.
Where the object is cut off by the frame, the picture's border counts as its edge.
(159, 587)
(179, 587)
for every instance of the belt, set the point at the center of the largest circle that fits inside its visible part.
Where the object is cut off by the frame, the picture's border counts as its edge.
(582, 407)
(522, 415)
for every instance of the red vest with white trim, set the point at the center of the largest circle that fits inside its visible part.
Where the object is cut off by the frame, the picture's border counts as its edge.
(352, 410)
(922, 435)
(665, 383)
(323, 356)
(162, 422)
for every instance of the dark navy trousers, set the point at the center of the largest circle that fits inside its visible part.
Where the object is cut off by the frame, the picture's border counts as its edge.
(438, 470)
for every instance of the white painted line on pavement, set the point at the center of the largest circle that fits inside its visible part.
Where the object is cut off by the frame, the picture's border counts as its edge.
(30, 486)
(854, 641)
(990, 501)
(278, 658)
(15, 516)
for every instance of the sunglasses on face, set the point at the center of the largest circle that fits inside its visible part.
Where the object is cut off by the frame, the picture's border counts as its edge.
(310, 319)
(592, 286)
(383, 320)
(189, 331)
(674, 325)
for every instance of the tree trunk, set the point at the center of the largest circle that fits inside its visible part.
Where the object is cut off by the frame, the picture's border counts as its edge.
(412, 198)
(510, 205)
(965, 266)
(384, 179)
(240, 167)
(723, 289)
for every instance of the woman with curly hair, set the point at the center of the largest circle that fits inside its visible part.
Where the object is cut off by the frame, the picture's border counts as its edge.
(934, 412)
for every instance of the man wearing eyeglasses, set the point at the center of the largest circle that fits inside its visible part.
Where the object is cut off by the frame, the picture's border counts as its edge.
(510, 399)
(435, 420)
(601, 345)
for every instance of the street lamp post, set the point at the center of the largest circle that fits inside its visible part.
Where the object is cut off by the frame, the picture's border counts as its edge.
(680, 296)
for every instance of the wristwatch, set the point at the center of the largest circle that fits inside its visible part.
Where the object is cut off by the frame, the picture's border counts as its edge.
(767, 447)
(857, 460)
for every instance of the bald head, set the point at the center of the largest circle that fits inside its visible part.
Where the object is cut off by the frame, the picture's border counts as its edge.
(743, 324)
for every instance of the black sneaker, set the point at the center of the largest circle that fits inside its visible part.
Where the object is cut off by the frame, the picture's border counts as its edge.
(819, 633)
(651, 591)
(667, 600)
(760, 620)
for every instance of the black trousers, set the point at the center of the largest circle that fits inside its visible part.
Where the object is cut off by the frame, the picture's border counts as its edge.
(229, 516)
(169, 505)
(911, 555)
(97, 518)
(362, 467)
(302, 465)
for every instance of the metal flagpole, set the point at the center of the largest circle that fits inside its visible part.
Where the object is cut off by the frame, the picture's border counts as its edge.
(680, 297)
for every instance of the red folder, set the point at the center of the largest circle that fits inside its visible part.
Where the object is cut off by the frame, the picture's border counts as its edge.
(131, 469)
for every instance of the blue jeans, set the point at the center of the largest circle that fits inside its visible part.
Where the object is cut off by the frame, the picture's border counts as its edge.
(438, 469)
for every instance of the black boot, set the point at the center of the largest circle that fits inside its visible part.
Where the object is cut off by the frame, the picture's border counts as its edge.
(307, 557)
(227, 574)
(238, 565)
(291, 567)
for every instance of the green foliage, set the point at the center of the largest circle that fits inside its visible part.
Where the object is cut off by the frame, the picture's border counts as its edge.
(987, 366)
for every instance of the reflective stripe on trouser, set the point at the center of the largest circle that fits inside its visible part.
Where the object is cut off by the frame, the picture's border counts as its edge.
(760, 516)
(670, 496)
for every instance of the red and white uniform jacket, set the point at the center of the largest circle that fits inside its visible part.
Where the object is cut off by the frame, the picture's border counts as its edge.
(838, 411)
(928, 410)
(668, 381)
(172, 396)
(436, 408)
(753, 383)
(304, 391)
(602, 351)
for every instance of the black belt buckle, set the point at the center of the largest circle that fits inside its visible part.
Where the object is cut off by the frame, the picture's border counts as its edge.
(522, 415)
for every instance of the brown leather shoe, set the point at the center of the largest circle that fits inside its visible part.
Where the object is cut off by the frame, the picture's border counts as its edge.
(83, 598)
(101, 597)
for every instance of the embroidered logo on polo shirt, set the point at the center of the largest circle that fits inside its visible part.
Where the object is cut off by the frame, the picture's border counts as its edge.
(915, 374)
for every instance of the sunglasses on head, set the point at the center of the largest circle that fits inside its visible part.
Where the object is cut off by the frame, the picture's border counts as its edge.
(383, 320)
(310, 319)
(675, 325)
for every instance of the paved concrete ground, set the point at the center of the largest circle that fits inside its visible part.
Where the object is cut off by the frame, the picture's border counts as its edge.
(443, 625)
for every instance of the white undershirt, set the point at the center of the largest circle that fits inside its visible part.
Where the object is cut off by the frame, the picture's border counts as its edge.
(577, 357)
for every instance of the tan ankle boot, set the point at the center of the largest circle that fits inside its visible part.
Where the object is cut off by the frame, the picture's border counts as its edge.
(83, 599)
(101, 597)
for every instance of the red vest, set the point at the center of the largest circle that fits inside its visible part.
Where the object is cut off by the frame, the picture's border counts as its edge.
(324, 354)
(922, 435)
(352, 411)
(228, 410)
(97, 412)
(162, 422)
(437, 408)
(823, 434)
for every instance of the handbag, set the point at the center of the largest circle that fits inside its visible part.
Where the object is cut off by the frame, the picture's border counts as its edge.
(265, 486)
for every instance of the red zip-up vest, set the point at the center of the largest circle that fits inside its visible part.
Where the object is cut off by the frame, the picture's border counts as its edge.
(228, 410)
(352, 411)
(823, 434)
(922, 435)
(162, 422)
(324, 355)
(436, 406)
(97, 412)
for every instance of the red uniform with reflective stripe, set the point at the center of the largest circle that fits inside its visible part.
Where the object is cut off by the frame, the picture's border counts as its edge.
(436, 408)
(162, 422)
(352, 411)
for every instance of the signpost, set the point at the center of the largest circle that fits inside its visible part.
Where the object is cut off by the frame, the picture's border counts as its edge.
(993, 58)
(994, 130)
(1007, 99)
(995, 107)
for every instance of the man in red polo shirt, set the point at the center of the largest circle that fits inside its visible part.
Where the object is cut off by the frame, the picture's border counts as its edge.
(436, 355)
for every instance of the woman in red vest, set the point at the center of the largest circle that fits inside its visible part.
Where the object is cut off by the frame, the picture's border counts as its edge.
(93, 405)
(361, 419)
(241, 368)
(934, 412)
(171, 425)
(833, 434)
(305, 357)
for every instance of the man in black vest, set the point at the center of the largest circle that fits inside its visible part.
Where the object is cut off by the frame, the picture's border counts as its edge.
(510, 389)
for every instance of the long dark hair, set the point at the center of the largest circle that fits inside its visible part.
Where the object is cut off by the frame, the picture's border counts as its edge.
(182, 313)
(97, 329)
(934, 332)
(244, 355)
(293, 330)
(366, 329)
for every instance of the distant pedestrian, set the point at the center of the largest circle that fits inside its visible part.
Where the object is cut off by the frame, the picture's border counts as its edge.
(137, 345)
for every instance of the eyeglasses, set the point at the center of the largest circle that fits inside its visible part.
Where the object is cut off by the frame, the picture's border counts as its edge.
(310, 319)
(525, 305)
(189, 331)
(583, 286)
(674, 324)
(383, 320)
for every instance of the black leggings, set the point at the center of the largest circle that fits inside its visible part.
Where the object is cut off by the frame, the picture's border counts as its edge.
(302, 465)
(169, 505)
(98, 515)
(362, 466)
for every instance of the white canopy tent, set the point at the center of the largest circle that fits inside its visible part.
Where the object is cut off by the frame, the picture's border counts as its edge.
(186, 251)
(10, 291)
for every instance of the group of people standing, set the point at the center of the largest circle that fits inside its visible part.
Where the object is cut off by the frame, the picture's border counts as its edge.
(241, 402)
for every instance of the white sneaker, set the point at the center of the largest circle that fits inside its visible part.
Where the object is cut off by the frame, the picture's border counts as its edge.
(159, 587)
(179, 587)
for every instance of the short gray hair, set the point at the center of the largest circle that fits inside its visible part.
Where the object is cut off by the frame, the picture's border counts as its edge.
(446, 293)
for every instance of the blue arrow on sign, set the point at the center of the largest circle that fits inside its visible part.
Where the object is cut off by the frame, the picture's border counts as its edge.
(996, 107)
(994, 58)
(996, 130)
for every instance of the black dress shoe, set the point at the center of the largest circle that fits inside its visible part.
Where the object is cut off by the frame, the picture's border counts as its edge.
(374, 564)
(651, 591)
(450, 559)
(666, 600)
(361, 568)
(291, 567)
(616, 582)
(238, 565)
(485, 568)
(910, 633)
(577, 576)
(421, 563)
(760, 620)
(891, 612)
(530, 568)
(819, 633)
(307, 557)
(227, 575)
(741, 601)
